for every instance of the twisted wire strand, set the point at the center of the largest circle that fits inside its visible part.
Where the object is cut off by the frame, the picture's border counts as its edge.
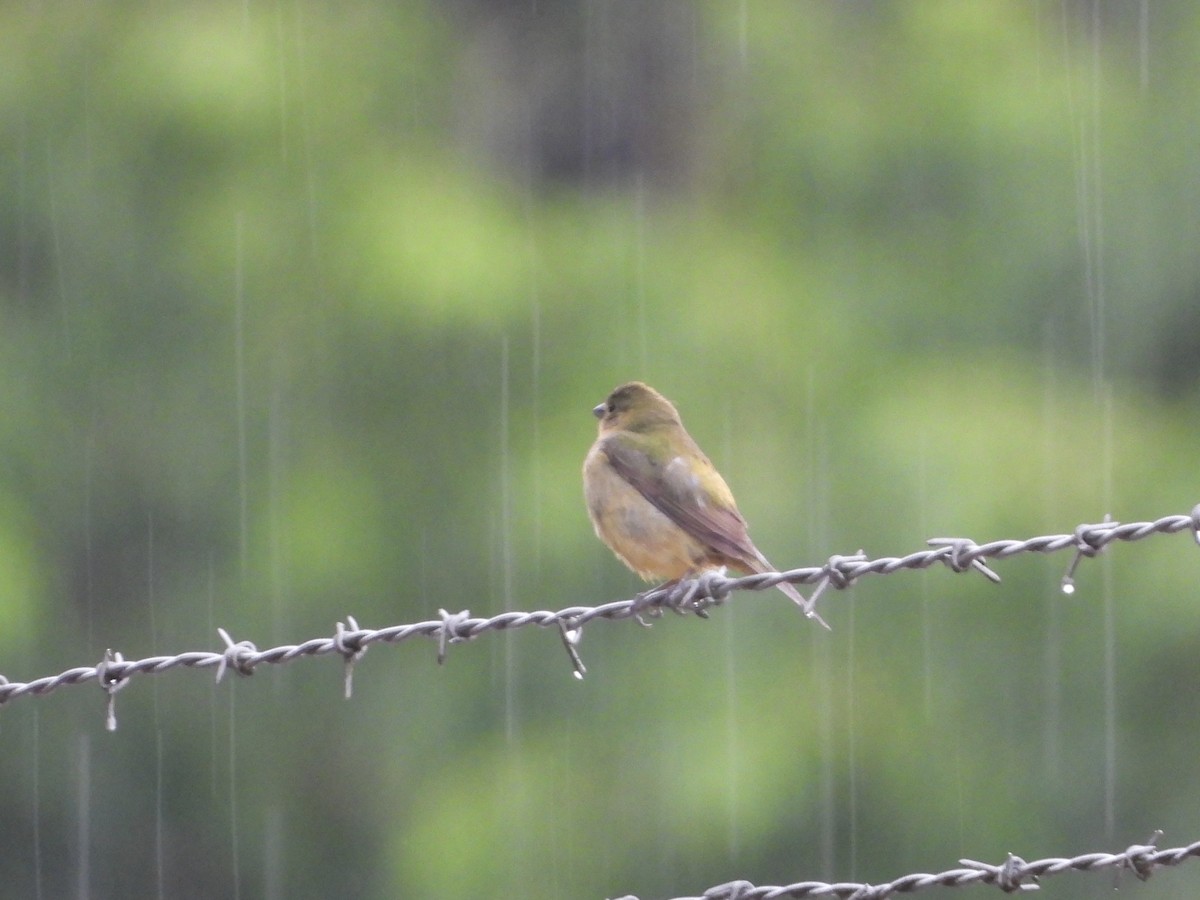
(694, 596)
(1014, 874)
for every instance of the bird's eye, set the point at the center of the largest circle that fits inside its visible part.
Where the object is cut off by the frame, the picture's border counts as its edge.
(610, 407)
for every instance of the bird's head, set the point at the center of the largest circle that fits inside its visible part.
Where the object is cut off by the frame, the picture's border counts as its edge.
(635, 407)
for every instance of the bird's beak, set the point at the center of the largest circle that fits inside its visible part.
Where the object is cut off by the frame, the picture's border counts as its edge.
(598, 411)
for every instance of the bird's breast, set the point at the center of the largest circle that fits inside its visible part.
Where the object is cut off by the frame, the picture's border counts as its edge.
(645, 538)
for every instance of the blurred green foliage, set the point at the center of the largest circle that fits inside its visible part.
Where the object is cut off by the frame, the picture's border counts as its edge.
(302, 310)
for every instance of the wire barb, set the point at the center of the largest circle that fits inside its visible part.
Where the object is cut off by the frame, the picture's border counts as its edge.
(1009, 876)
(1140, 857)
(347, 642)
(571, 636)
(450, 631)
(111, 682)
(239, 656)
(1089, 542)
(962, 555)
(838, 573)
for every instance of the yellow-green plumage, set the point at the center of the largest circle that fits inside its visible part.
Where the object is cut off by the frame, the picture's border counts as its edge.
(656, 500)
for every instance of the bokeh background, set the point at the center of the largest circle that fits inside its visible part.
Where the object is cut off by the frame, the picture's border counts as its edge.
(303, 309)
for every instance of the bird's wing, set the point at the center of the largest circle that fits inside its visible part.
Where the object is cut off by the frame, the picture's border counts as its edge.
(688, 491)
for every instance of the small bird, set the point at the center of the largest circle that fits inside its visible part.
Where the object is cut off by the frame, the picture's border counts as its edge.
(656, 500)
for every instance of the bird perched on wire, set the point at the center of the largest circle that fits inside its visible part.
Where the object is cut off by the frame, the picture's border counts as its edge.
(656, 500)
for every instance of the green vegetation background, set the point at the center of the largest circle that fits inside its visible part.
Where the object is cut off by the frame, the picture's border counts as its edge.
(303, 308)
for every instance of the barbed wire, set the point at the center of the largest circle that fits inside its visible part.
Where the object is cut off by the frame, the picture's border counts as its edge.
(1013, 875)
(693, 596)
